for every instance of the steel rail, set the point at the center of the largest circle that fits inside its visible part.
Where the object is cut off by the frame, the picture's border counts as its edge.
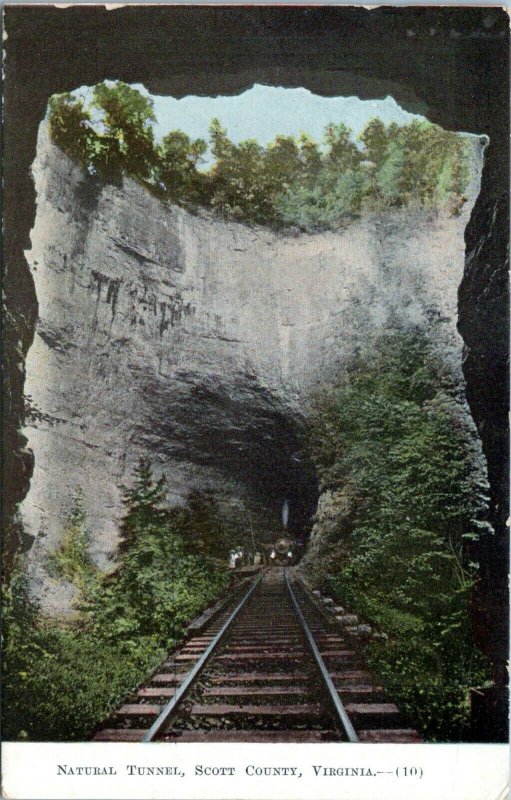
(334, 697)
(171, 706)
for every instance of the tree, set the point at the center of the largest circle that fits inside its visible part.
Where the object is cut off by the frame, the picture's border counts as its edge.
(221, 146)
(206, 530)
(289, 182)
(128, 115)
(143, 504)
(281, 163)
(310, 160)
(375, 140)
(342, 152)
(299, 206)
(388, 176)
(178, 157)
(161, 580)
(71, 560)
(423, 145)
(347, 194)
(240, 185)
(70, 126)
(392, 432)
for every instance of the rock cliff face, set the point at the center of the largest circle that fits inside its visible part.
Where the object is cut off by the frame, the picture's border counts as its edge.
(197, 343)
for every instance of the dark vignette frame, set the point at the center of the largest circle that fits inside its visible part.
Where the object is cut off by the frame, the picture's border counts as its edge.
(449, 63)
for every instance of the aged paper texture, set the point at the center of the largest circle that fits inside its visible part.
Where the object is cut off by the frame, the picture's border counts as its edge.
(255, 431)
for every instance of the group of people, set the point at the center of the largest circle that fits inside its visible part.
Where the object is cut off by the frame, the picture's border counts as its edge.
(242, 558)
(245, 558)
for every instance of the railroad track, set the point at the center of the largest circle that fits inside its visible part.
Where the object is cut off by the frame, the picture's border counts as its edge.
(270, 668)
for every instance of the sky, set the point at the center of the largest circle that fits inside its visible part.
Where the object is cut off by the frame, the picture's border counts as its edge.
(264, 111)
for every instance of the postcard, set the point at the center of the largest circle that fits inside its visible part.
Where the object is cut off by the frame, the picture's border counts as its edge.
(255, 422)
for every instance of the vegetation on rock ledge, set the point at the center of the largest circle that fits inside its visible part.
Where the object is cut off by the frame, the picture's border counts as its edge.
(290, 182)
(61, 680)
(404, 506)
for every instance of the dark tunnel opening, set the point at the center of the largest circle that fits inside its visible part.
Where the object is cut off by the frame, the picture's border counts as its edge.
(241, 431)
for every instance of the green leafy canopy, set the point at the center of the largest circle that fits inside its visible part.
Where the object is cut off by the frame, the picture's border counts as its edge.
(290, 182)
(60, 679)
(391, 434)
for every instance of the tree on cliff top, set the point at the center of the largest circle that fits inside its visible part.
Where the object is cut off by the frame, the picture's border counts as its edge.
(287, 182)
(112, 135)
(128, 116)
(178, 159)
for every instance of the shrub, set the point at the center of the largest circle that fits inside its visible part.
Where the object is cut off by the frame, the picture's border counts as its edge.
(160, 582)
(431, 687)
(61, 681)
(392, 429)
(71, 560)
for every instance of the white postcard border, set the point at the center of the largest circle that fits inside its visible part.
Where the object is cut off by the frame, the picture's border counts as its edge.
(180, 771)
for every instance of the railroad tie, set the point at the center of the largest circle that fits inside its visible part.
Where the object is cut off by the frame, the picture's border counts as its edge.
(268, 668)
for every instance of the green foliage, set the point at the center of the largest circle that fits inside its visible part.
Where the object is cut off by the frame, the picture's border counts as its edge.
(240, 182)
(291, 181)
(60, 681)
(70, 126)
(161, 579)
(388, 175)
(342, 153)
(127, 116)
(110, 136)
(282, 162)
(207, 533)
(177, 160)
(144, 502)
(333, 199)
(71, 560)
(375, 139)
(430, 684)
(303, 206)
(158, 585)
(391, 429)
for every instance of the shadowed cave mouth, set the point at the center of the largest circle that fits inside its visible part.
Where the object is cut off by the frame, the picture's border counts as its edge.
(256, 445)
(284, 158)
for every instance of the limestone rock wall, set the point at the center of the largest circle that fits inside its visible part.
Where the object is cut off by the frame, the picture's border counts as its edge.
(197, 342)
